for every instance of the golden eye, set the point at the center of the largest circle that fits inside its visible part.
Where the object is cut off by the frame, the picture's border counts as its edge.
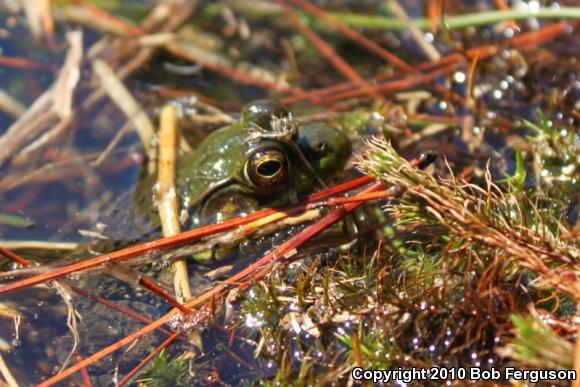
(267, 168)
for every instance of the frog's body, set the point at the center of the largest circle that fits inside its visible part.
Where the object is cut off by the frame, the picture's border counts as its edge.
(218, 180)
(213, 162)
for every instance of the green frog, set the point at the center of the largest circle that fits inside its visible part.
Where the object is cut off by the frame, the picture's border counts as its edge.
(263, 159)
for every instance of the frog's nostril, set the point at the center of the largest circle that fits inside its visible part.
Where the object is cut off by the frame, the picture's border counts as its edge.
(269, 168)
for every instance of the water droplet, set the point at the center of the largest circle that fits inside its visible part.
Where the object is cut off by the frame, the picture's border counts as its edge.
(459, 77)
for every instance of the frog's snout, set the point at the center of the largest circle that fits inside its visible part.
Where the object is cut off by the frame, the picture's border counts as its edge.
(326, 148)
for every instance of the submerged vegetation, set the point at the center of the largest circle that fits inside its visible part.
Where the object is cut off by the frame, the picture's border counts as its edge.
(472, 260)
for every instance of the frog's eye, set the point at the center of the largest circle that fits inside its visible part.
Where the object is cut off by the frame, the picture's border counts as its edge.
(260, 113)
(267, 168)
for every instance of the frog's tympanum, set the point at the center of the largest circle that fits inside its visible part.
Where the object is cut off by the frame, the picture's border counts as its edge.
(264, 159)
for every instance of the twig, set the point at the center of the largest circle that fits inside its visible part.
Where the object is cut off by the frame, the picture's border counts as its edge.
(245, 277)
(84, 372)
(242, 279)
(434, 10)
(24, 63)
(39, 245)
(244, 72)
(10, 105)
(119, 308)
(169, 135)
(502, 6)
(328, 52)
(524, 41)
(171, 242)
(115, 89)
(388, 87)
(105, 18)
(427, 47)
(118, 136)
(7, 374)
(355, 36)
(45, 111)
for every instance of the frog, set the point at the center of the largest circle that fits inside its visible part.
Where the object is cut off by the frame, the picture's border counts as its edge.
(263, 159)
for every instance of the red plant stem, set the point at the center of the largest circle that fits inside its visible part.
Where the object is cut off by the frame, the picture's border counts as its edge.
(501, 5)
(359, 198)
(119, 308)
(147, 359)
(434, 12)
(23, 63)
(276, 255)
(289, 247)
(328, 52)
(151, 285)
(344, 187)
(14, 257)
(389, 87)
(531, 39)
(84, 372)
(169, 242)
(355, 36)
(23, 200)
(110, 349)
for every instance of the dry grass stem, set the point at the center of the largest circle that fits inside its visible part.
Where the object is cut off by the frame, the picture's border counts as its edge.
(429, 49)
(169, 135)
(85, 16)
(45, 112)
(119, 94)
(10, 105)
(5, 371)
(243, 72)
(109, 149)
(38, 245)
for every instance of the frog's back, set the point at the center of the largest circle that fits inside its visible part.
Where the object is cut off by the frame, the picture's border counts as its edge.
(215, 159)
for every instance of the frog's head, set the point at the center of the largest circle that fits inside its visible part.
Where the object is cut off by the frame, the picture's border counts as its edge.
(276, 154)
(273, 166)
(325, 148)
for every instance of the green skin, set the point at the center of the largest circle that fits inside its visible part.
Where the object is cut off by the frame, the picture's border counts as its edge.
(215, 170)
(212, 194)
